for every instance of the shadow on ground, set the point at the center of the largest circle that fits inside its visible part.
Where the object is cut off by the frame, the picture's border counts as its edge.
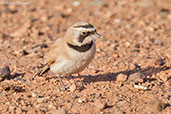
(149, 71)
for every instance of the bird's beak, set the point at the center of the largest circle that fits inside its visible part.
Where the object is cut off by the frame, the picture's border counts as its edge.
(96, 35)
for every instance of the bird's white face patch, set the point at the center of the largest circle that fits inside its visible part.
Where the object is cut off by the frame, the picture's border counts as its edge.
(85, 29)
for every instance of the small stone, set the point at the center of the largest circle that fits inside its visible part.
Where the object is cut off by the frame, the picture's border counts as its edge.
(157, 42)
(121, 78)
(44, 18)
(169, 16)
(43, 45)
(38, 106)
(99, 50)
(100, 104)
(41, 100)
(145, 3)
(69, 10)
(149, 28)
(11, 108)
(59, 111)
(83, 100)
(19, 111)
(140, 87)
(117, 21)
(159, 62)
(33, 95)
(24, 52)
(74, 97)
(136, 77)
(80, 101)
(43, 109)
(163, 76)
(155, 105)
(136, 50)
(76, 3)
(5, 72)
(40, 78)
(51, 106)
(168, 84)
(73, 87)
(128, 44)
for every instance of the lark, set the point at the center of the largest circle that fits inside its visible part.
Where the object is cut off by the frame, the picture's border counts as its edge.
(72, 53)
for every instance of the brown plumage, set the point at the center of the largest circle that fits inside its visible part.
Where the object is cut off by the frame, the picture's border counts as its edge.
(72, 53)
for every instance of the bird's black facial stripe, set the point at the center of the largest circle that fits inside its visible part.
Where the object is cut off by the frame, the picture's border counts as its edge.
(84, 26)
(84, 35)
(82, 48)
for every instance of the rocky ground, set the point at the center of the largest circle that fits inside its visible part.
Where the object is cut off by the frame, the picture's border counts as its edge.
(131, 71)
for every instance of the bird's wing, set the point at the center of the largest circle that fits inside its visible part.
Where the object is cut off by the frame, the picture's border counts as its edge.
(55, 53)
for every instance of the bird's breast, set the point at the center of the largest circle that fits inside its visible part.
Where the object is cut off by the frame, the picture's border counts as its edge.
(82, 59)
(76, 62)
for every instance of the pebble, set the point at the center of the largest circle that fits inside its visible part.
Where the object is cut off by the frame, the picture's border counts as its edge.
(33, 95)
(44, 18)
(74, 97)
(128, 44)
(159, 62)
(168, 84)
(169, 16)
(51, 106)
(157, 42)
(76, 3)
(11, 108)
(79, 101)
(121, 78)
(136, 77)
(100, 104)
(42, 99)
(145, 3)
(140, 87)
(150, 29)
(155, 105)
(59, 111)
(163, 76)
(5, 72)
(73, 87)
(38, 106)
(40, 78)
(117, 21)
(99, 50)
(43, 45)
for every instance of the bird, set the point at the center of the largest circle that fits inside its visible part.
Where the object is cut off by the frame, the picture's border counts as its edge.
(72, 53)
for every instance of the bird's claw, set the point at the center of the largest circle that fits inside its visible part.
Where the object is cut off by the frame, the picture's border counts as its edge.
(65, 87)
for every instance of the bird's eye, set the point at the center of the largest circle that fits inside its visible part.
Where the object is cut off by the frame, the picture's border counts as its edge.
(85, 33)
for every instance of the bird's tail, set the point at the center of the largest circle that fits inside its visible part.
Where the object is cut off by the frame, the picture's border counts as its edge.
(42, 71)
(45, 69)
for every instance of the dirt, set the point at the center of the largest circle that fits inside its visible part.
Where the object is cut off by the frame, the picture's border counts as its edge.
(131, 71)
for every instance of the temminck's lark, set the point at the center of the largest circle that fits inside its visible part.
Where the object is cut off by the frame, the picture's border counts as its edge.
(72, 53)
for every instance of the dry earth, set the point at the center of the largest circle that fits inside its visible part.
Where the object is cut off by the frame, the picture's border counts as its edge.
(130, 74)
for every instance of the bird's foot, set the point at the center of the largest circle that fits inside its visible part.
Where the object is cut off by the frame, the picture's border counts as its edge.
(81, 84)
(65, 87)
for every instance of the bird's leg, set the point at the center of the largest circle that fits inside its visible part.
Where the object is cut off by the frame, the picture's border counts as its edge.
(63, 86)
(81, 81)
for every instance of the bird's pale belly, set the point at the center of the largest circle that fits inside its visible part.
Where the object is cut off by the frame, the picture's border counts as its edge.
(77, 63)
